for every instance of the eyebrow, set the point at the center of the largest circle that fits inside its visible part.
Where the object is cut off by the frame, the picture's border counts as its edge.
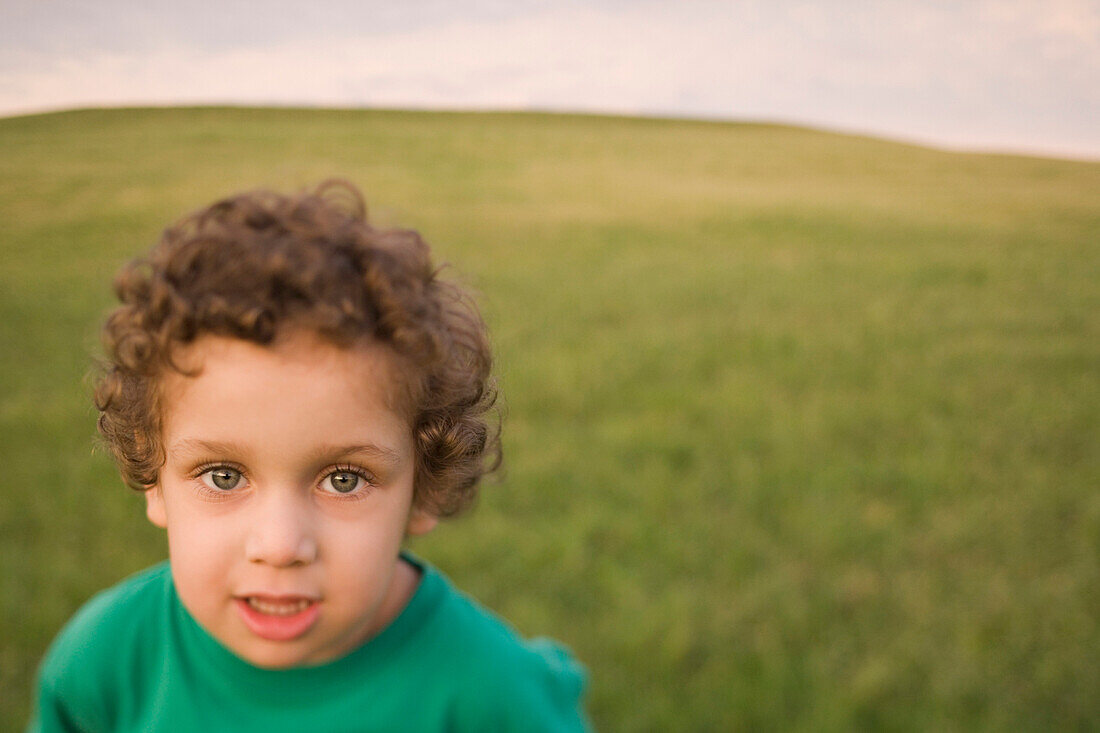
(196, 445)
(323, 453)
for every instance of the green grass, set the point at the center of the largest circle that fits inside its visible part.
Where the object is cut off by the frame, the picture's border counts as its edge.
(802, 428)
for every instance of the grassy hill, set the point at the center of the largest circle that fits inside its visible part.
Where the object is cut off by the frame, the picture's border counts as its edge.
(802, 428)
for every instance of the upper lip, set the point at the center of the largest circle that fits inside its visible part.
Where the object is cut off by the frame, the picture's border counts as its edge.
(280, 597)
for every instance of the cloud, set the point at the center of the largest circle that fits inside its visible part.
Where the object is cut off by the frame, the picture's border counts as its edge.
(1011, 73)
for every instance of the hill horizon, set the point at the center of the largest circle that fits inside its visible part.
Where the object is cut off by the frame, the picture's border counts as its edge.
(1022, 152)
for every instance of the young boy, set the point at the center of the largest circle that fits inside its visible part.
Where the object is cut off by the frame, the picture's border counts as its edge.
(295, 392)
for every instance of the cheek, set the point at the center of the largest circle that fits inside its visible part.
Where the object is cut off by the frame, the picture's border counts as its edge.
(356, 552)
(201, 551)
(350, 544)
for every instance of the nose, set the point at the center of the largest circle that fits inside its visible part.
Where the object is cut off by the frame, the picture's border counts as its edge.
(281, 533)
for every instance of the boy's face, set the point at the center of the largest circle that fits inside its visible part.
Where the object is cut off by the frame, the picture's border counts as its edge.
(286, 492)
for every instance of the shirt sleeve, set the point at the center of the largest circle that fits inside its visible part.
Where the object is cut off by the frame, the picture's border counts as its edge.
(75, 673)
(50, 714)
(541, 690)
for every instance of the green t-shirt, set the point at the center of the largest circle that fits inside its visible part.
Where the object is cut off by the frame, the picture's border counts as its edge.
(133, 659)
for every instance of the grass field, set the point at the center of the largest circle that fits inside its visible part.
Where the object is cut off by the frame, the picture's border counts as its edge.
(803, 429)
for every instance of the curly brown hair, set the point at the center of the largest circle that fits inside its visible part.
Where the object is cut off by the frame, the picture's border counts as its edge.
(258, 262)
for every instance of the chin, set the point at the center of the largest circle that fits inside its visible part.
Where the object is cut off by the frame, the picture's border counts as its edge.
(273, 659)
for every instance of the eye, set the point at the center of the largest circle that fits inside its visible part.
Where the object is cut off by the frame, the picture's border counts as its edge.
(343, 481)
(223, 478)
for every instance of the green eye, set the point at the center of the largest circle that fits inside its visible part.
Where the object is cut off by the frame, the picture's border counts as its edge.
(222, 478)
(342, 482)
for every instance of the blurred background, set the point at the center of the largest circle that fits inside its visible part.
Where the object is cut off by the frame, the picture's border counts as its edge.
(796, 309)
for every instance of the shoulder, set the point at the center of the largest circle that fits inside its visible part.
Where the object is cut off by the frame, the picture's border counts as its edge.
(82, 664)
(110, 617)
(502, 680)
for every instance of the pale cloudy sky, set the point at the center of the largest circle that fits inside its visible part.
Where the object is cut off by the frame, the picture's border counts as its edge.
(1021, 75)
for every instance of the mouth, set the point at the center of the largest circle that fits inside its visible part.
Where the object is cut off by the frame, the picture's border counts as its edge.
(278, 618)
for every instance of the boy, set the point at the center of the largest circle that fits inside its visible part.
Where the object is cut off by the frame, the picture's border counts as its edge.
(296, 392)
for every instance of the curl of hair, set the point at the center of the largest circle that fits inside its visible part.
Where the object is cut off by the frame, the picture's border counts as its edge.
(256, 263)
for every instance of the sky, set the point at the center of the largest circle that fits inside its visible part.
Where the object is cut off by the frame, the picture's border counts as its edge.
(1009, 75)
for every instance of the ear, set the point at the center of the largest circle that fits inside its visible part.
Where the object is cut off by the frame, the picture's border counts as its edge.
(420, 522)
(154, 506)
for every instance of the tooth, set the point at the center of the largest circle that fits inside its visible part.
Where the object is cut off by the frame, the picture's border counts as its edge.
(279, 609)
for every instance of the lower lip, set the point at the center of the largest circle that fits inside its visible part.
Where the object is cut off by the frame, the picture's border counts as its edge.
(278, 628)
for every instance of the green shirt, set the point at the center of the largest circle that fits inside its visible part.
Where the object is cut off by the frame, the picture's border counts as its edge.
(133, 659)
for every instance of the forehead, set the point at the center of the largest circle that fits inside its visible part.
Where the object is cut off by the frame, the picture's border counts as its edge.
(298, 367)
